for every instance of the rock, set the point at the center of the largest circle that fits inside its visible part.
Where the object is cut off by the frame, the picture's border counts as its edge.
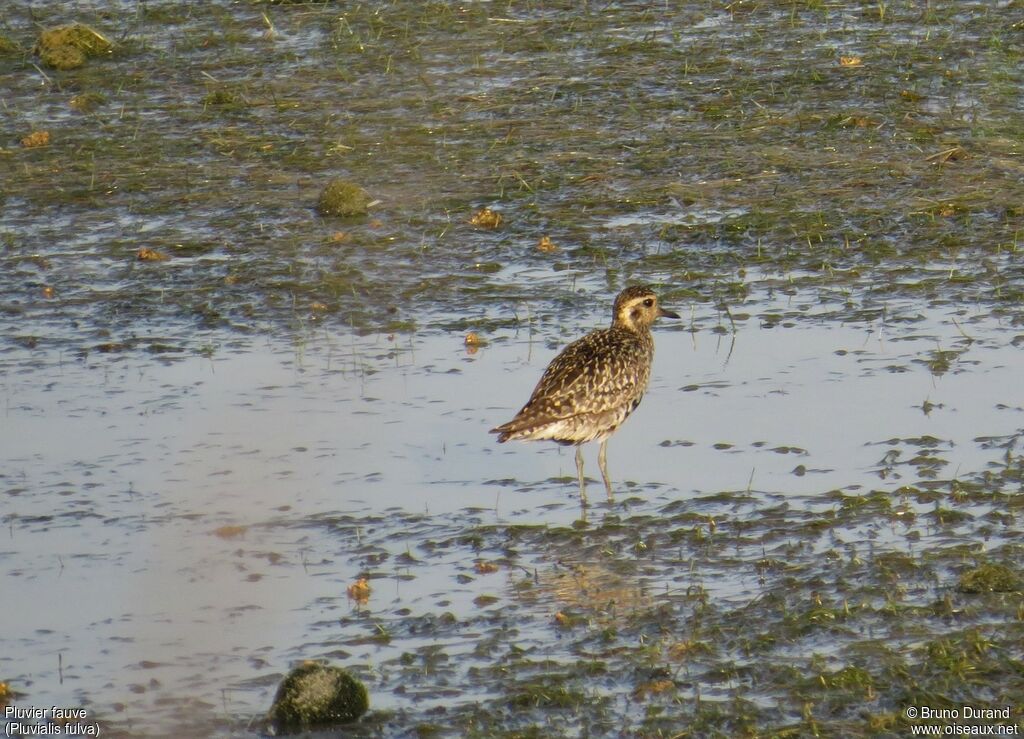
(316, 695)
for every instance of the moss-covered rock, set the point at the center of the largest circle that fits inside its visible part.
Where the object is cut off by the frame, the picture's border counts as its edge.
(67, 47)
(343, 198)
(316, 695)
(989, 578)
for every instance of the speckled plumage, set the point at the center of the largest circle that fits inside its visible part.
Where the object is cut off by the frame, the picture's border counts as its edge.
(595, 383)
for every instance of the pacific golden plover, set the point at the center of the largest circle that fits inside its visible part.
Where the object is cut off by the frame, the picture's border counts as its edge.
(594, 384)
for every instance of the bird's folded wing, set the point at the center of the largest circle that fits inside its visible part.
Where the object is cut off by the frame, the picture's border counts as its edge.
(581, 380)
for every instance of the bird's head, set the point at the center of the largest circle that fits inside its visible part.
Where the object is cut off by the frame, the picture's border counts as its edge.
(636, 308)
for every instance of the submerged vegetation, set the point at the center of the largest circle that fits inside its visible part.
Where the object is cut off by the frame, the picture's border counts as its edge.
(863, 150)
(769, 163)
(740, 613)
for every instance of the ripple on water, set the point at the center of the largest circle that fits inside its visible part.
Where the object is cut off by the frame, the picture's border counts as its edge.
(250, 489)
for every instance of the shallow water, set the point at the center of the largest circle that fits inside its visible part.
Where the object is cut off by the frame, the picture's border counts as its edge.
(183, 529)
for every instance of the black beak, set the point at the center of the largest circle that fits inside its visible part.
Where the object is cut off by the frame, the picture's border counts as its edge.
(667, 313)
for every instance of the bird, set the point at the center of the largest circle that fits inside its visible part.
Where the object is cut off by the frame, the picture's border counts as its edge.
(594, 384)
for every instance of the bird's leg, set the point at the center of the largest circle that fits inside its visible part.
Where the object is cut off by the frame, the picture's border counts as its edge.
(579, 473)
(602, 462)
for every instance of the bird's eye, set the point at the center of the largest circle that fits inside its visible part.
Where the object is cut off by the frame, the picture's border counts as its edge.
(649, 302)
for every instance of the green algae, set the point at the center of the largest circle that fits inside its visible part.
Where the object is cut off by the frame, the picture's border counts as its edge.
(988, 578)
(68, 47)
(224, 98)
(342, 198)
(9, 47)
